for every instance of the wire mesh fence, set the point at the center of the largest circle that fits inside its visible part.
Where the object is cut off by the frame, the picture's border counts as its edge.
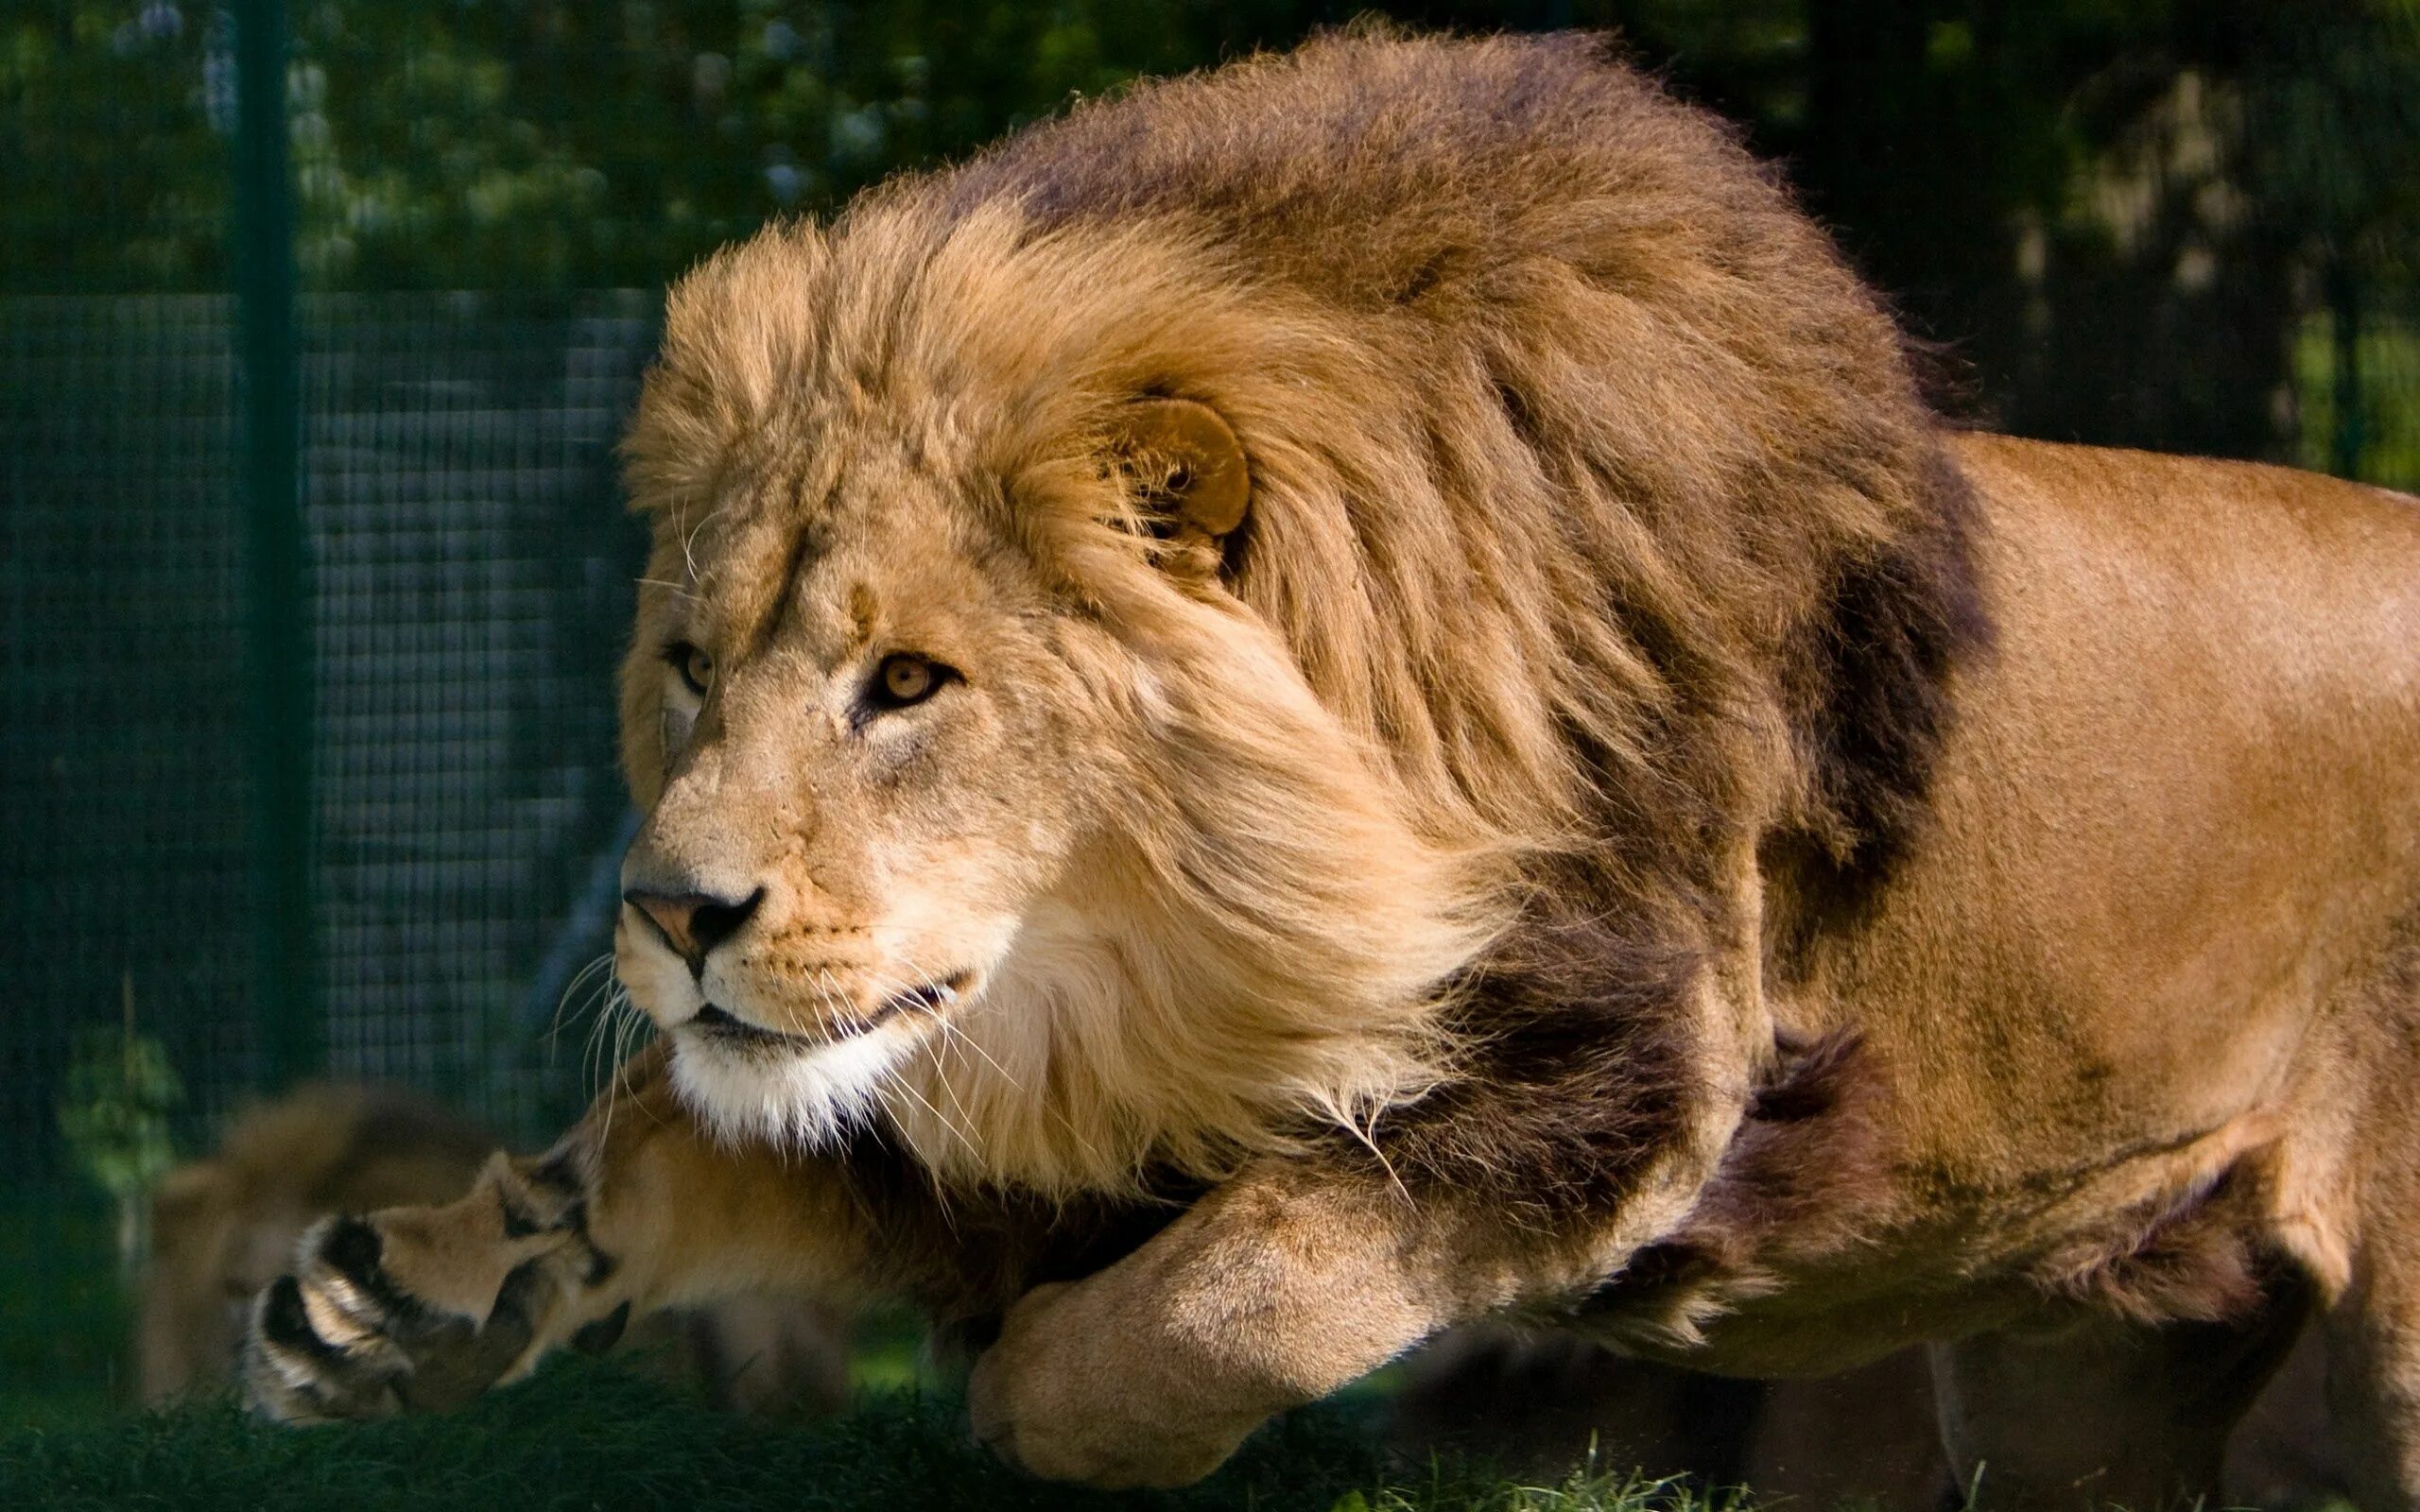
(424, 246)
(470, 574)
(470, 580)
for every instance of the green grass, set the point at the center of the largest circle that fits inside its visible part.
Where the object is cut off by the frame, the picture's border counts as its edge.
(587, 1435)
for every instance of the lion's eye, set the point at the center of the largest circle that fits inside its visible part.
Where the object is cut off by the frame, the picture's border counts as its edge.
(696, 667)
(903, 679)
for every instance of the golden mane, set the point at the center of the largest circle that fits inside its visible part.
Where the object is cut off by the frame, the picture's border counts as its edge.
(1586, 480)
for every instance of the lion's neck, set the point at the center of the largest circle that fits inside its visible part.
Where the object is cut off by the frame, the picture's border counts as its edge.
(1124, 1036)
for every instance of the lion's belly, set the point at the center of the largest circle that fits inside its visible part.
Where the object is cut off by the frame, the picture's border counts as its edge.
(2181, 805)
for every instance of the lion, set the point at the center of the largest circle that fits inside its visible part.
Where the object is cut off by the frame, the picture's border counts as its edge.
(224, 1225)
(1357, 692)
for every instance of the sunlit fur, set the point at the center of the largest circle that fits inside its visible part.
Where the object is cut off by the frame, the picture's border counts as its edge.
(1517, 386)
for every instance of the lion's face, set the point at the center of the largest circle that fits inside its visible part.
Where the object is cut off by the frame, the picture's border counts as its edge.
(860, 725)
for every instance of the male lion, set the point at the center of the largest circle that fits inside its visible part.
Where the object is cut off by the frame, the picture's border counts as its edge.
(1354, 692)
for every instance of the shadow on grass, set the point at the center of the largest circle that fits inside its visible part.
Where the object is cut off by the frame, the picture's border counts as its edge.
(587, 1435)
(63, 1321)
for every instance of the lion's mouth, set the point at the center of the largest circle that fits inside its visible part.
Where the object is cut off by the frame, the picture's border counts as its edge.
(721, 1026)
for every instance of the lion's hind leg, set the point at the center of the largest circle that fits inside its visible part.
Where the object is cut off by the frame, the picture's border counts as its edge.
(2356, 1206)
(2109, 1412)
(2373, 1325)
(2373, 1374)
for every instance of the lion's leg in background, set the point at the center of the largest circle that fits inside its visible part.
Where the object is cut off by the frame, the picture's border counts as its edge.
(2363, 1180)
(637, 1208)
(2373, 1341)
(1536, 1404)
(2374, 1380)
(2105, 1412)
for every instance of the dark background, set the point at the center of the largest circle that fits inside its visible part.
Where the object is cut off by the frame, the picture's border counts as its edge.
(318, 322)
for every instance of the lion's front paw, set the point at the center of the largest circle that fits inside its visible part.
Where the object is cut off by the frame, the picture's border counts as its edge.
(419, 1308)
(340, 1338)
(1075, 1390)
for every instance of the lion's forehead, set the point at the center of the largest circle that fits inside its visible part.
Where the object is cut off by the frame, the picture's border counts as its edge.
(841, 558)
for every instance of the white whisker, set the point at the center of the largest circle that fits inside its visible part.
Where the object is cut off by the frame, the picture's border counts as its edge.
(953, 1033)
(962, 1128)
(976, 1045)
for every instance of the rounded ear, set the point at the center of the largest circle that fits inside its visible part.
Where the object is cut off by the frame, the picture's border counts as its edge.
(1186, 467)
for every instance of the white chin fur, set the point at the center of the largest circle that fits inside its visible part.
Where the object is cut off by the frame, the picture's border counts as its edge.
(801, 1099)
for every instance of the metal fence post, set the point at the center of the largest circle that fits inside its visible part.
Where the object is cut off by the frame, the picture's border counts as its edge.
(278, 642)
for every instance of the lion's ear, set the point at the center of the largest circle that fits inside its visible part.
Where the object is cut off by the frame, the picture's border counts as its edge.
(1186, 467)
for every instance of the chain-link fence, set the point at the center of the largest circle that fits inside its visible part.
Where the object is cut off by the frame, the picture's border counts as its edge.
(314, 339)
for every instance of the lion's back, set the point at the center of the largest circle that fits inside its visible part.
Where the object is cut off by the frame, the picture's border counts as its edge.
(1374, 168)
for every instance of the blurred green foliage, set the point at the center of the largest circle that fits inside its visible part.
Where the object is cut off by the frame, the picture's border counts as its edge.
(114, 1109)
(506, 143)
(120, 1094)
(2122, 214)
(470, 143)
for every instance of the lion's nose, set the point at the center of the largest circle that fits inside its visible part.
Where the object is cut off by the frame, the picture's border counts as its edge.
(694, 923)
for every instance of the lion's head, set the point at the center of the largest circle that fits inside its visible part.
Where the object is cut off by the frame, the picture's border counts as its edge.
(1000, 797)
(1127, 616)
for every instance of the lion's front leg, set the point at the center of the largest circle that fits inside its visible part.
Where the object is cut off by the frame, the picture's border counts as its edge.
(1274, 1290)
(635, 1208)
